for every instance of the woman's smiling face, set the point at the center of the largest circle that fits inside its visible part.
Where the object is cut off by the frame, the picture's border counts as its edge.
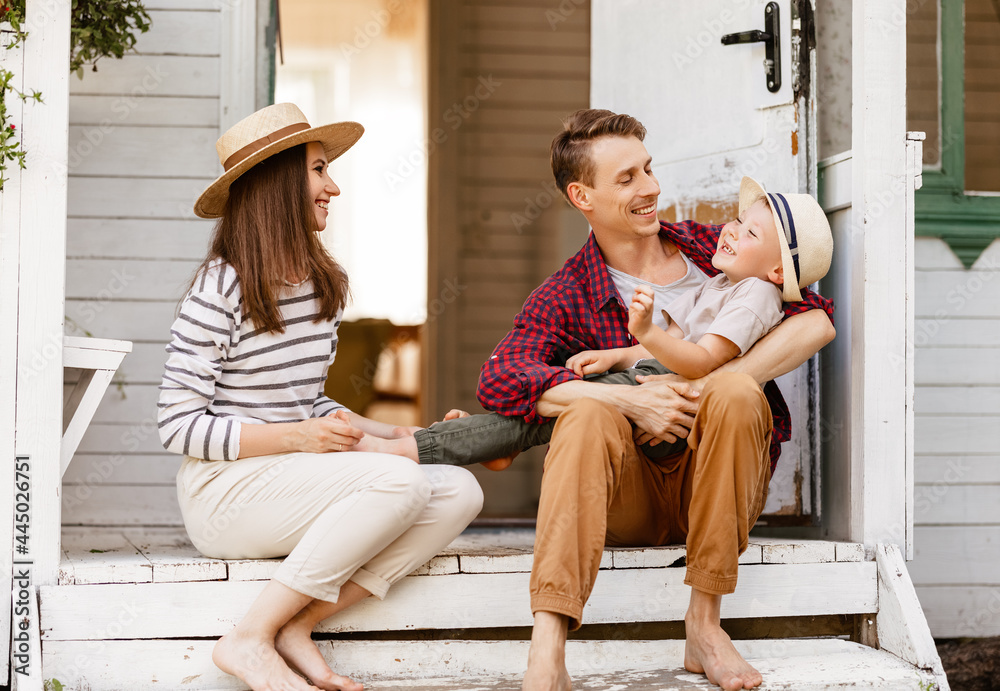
(321, 187)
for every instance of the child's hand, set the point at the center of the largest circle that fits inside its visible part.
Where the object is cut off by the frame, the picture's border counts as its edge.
(592, 362)
(640, 312)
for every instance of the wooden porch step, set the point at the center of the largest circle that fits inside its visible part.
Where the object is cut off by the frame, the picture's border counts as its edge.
(165, 555)
(150, 584)
(793, 664)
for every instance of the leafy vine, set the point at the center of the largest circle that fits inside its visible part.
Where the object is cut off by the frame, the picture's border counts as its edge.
(99, 28)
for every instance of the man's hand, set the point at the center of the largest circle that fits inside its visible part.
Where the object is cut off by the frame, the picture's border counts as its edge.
(640, 312)
(662, 408)
(497, 464)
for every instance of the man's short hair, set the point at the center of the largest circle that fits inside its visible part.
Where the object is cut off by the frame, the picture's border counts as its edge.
(570, 152)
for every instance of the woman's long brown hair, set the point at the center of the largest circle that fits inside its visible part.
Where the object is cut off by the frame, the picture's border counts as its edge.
(268, 234)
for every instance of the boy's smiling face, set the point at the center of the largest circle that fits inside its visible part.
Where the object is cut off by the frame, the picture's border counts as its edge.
(749, 247)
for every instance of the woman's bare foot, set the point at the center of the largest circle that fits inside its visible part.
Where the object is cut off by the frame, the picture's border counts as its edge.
(256, 663)
(294, 643)
(709, 651)
(547, 656)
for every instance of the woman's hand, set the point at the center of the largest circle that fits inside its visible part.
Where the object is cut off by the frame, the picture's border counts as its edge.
(325, 434)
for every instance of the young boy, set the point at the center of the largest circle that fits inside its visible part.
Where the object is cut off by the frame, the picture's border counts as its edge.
(706, 327)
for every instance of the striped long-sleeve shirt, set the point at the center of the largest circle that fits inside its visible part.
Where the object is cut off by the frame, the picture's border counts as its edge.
(222, 372)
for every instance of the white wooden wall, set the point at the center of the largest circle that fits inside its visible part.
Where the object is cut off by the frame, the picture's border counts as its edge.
(957, 495)
(141, 148)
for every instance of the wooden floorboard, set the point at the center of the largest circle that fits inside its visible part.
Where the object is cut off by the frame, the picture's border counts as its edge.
(794, 664)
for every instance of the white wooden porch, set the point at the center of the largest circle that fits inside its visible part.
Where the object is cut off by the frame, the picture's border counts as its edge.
(139, 608)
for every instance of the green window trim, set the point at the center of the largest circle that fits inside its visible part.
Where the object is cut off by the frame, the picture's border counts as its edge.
(967, 222)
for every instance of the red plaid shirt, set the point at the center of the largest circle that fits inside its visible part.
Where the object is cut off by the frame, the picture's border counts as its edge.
(579, 308)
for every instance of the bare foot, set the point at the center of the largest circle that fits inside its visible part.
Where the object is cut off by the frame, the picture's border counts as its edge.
(546, 678)
(547, 656)
(404, 446)
(295, 644)
(709, 651)
(256, 662)
(498, 464)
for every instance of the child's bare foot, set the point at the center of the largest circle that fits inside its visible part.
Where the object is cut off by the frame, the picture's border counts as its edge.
(256, 663)
(294, 643)
(404, 446)
(498, 464)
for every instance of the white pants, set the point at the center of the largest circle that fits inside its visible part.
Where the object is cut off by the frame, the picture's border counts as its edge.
(367, 517)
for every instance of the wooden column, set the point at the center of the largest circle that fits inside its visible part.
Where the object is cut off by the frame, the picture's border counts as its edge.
(9, 243)
(41, 238)
(880, 238)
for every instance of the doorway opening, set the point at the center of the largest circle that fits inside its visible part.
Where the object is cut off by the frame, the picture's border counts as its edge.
(366, 60)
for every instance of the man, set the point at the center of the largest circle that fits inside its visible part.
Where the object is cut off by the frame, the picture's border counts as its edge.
(711, 493)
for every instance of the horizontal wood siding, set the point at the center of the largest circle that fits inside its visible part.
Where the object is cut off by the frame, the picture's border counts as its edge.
(141, 148)
(522, 68)
(956, 568)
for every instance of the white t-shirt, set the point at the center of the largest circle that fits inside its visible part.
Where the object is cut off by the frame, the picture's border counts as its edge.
(740, 312)
(662, 295)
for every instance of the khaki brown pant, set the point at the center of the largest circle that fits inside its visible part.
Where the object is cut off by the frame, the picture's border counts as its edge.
(598, 489)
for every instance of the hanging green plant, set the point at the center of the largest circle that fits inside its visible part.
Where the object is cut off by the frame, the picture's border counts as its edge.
(103, 28)
(99, 29)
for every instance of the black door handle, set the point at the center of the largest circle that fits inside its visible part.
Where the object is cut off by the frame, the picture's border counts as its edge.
(771, 38)
(752, 36)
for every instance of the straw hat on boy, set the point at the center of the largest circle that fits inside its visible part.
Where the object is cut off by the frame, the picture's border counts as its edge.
(265, 133)
(803, 234)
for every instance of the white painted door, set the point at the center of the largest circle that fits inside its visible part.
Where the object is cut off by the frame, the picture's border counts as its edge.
(713, 115)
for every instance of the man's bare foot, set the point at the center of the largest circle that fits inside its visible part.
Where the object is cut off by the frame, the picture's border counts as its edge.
(547, 656)
(709, 651)
(256, 663)
(294, 643)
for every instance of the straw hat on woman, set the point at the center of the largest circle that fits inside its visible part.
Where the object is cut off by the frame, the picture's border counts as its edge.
(272, 467)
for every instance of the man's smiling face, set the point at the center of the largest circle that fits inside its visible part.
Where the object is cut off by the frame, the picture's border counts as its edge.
(622, 196)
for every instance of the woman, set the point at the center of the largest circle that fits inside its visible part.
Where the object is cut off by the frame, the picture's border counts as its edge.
(255, 335)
